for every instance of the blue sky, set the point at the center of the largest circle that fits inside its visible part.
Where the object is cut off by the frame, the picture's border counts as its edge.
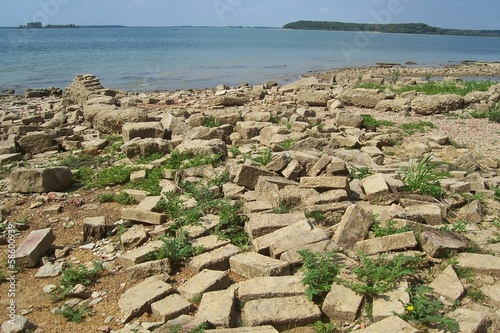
(461, 14)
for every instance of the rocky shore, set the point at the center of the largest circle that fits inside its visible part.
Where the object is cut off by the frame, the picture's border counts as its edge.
(373, 182)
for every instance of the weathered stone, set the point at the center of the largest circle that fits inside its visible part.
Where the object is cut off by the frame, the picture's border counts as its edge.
(261, 224)
(248, 176)
(171, 307)
(144, 147)
(397, 242)
(385, 306)
(448, 285)
(35, 142)
(111, 119)
(231, 100)
(341, 304)
(133, 237)
(367, 98)
(432, 214)
(138, 299)
(8, 158)
(470, 321)
(492, 292)
(262, 244)
(394, 105)
(149, 268)
(348, 119)
(143, 130)
(375, 186)
(275, 286)
(438, 243)
(54, 179)
(249, 129)
(251, 265)
(472, 212)
(50, 269)
(293, 257)
(203, 147)
(295, 240)
(292, 170)
(390, 324)
(255, 329)
(467, 162)
(353, 227)
(203, 282)
(18, 324)
(482, 263)
(33, 247)
(328, 197)
(209, 243)
(313, 98)
(143, 212)
(320, 165)
(217, 308)
(140, 254)
(432, 104)
(324, 183)
(217, 259)
(281, 312)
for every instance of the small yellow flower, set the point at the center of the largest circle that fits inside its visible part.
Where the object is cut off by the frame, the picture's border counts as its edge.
(410, 308)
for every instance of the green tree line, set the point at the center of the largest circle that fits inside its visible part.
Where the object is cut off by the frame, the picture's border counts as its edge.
(402, 28)
(39, 25)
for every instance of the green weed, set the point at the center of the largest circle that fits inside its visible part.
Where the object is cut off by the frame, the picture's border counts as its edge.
(284, 207)
(421, 126)
(380, 275)
(435, 87)
(389, 228)
(320, 271)
(76, 275)
(109, 176)
(426, 309)
(423, 178)
(231, 224)
(211, 122)
(122, 198)
(288, 144)
(176, 249)
(74, 315)
(359, 172)
(316, 215)
(264, 158)
(371, 122)
(149, 158)
(321, 327)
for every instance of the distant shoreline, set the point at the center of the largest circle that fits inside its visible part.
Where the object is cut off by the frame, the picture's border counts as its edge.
(397, 28)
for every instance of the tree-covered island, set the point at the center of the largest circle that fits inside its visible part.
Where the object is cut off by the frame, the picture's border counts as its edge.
(402, 28)
(39, 25)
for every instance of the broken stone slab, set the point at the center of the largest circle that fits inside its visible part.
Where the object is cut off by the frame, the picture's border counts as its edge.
(249, 129)
(324, 183)
(472, 212)
(143, 212)
(181, 324)
(34, 246)
(281, 313)
(320, 165)
(293, 257)
(205, 281)
(251, 265)
(140, 254)
(353, 226)
(248, 176)
(324, 198)
(262, 224)
(209, 243)
(138, 299)
(391, 302)
(217, 308)
(143, 130)
(375, 186)
(437, 243)
(255, 329)
(39, 180)
(171, 307)
(18, 324)
(391, 324)
(50, 269)
(34, 143)
(448, 285)
(144, 147)
(298, 239)
(217, 259)
(149, 268)
(133, 237)
(9, 158)
(397, 242)
(262, 244)
(271, 287)
(203, 227)
(483, 263)
(341, 304)
(432, 214)
(492, 292)
(470, 321)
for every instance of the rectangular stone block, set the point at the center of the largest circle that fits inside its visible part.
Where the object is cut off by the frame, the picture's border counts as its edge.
(140, 215)
(217, 308)
(271, 287)
(205, 281)
(402, 241)
(262, 244)
(261, 224)
(342, 304)
(217, 259)
(139, 254)
(251, 265)
(149, 268)
(255, 329)
(298, 239)
(326, 183)
(171, 307)
(34, 247)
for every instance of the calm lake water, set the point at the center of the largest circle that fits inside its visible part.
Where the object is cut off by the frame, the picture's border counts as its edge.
(144, 59)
